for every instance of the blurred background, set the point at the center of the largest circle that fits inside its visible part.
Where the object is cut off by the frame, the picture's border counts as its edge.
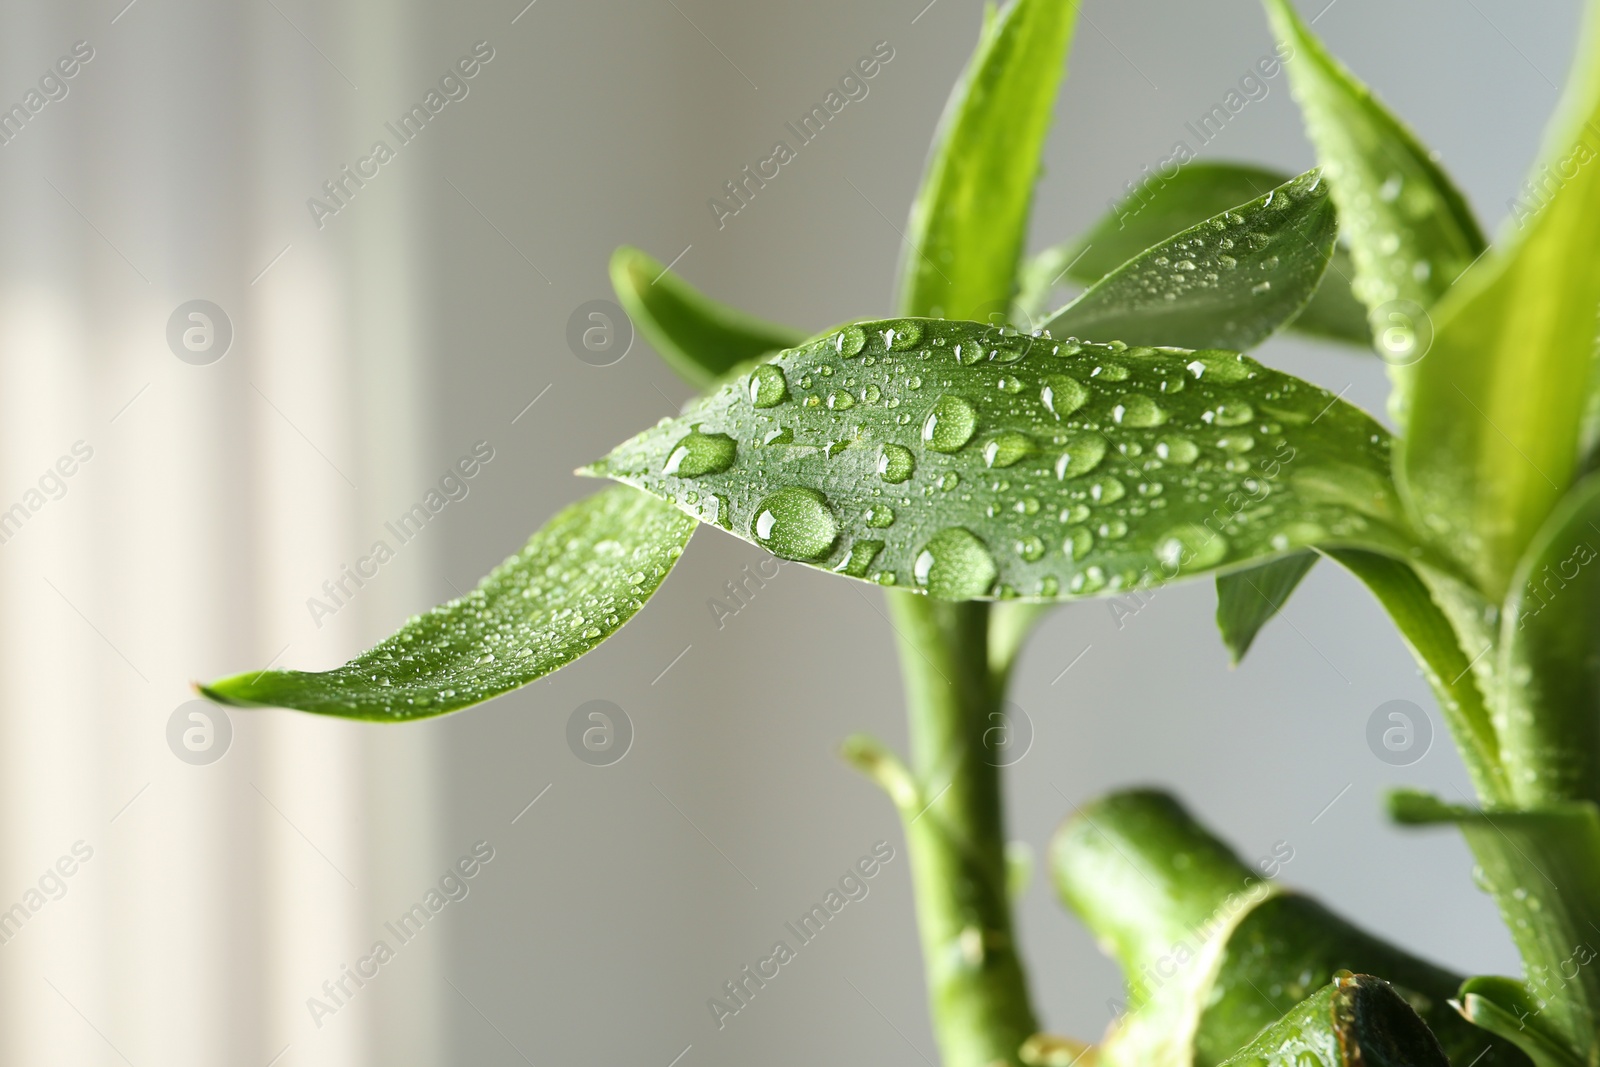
(229, 870)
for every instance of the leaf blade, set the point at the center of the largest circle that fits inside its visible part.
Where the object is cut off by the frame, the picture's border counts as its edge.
(1410, 230)
(698, 337)
(969, 222)
(601, 543)
(1228, 282)
(979, 447)
(1164, 206)
(1248, 599)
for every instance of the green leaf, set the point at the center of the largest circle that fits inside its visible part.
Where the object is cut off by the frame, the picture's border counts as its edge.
(970, 219)
(1500, 400)
(1211, 951)
(1542, 867)
(1436, 645)
(575, 583)
(699, 338)
(1549, 674)
(1162, 207)
(1229, 282)
(1504, 1007)
(1356, 1021)
(976, 462)
(1410, 231)
(1248, 599)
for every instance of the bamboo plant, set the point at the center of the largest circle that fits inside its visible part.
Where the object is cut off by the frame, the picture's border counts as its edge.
(985, 454)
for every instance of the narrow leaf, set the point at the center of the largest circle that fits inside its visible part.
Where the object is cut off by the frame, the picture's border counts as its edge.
(1212, 951)
(1162, 207)
(1410, 231)
(1356, 1021)
(1248, 599)
(573, 585)
(1501, 397)
(699, 338)
(1542, 867)
(970, 219)
(1504, 1007)
(1229, 282)
(1549, 674)
(976, 462)
(1435, 643)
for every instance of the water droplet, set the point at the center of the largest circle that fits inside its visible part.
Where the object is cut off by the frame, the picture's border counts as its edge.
(768, 388)
(1219, 365)
(914, 382)
(1107, 491)
(1006, 449)
(1139, 411)
(1006, 344)
(879, 515)
(1111, 372)
(1236, 442)
(850, 342)
(1030, 548)
(780, 436)
(841, 401)
(699, 454)
(1175, 448)
(1009, 384)
(950, 424)
(1190, 547)
(862, 553)
(1261, 288)
(1113, 530)
(795, 523)
(871, 393)
(949, 480)
(1083, 454)
(1063, 395)
(955, 565)
(883, 577)
(903, 334)
(1230, 414)
(895, 464)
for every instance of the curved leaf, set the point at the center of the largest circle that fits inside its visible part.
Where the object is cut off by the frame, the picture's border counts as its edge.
(1229, 282)
(1543, 868)
(575, 583)
(969, 222)
(1410, 231)
(1163, 206)
(1212, 951)
(1501, 398)
(699, 338)
(974, 462)
(1356, 1021)
(1506, 1008)
(1248, 599)
(1549, 674)
(1436, 645)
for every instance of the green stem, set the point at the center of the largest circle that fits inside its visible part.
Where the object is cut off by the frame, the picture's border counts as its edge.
(978, 995)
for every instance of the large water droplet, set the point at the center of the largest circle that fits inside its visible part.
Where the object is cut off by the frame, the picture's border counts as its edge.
(879, 515)
(1083, 454)
(1230, 414)
(850, 342)
(1030, 548)
(903, 334)
(862, 553)
(955, 565)
(895, 464)
(1175, 448)
(1006, 449)
(699, 454)
(841, 401)
(1219, 365)
(1062, 395)
(1190, 548)
(1139, 411)
(950, 424)
(795, 523)
(768, 388)
(1107, 491)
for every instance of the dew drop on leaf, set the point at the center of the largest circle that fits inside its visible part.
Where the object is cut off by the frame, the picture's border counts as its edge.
(895, 464)
(768, 388)
(955, 565)
(1175, 448)
(1190, 547)
(1062, 395)
(850, 342)
(699, 454)
(1139, 411)
(1006, 449)
(1083, 454)
(879, 516)
(950, 424)
(795, 523)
